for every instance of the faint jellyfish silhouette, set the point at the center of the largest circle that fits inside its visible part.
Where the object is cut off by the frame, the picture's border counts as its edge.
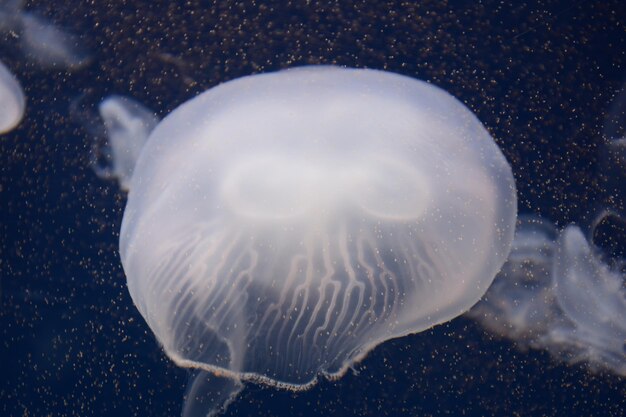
(280, 226)
(12, 101)
(556, 293)
(40, 41)
(127, 126)
(49, 45)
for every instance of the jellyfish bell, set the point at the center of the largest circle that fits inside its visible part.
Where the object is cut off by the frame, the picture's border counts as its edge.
(12, 101)
(280, 226)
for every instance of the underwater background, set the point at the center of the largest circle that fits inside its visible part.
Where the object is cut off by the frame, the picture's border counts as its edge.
(543, 77)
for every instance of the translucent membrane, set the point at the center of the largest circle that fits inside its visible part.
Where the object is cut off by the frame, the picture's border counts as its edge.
(282, 225)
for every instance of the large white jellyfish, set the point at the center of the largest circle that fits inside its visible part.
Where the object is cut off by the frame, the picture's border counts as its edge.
(12, 101)
(280, 226)
(556, 293)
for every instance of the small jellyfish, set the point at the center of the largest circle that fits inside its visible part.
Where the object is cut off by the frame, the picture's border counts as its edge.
(12, 101)
(281, 226)
(127, 126)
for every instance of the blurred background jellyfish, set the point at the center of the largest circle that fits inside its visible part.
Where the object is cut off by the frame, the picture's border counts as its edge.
(280, 226)
(49, 45)
(41, 41)
(556, 292)
(12, 101)
(118, 133)
(127, 126)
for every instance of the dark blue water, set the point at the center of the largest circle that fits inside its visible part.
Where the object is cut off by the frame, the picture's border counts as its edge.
(542, 76)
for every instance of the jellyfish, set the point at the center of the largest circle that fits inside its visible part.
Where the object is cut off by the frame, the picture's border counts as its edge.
(127, 126)
(12, 101)
(41, 41)
(49, 45)
(280, 226)
(557, 293)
